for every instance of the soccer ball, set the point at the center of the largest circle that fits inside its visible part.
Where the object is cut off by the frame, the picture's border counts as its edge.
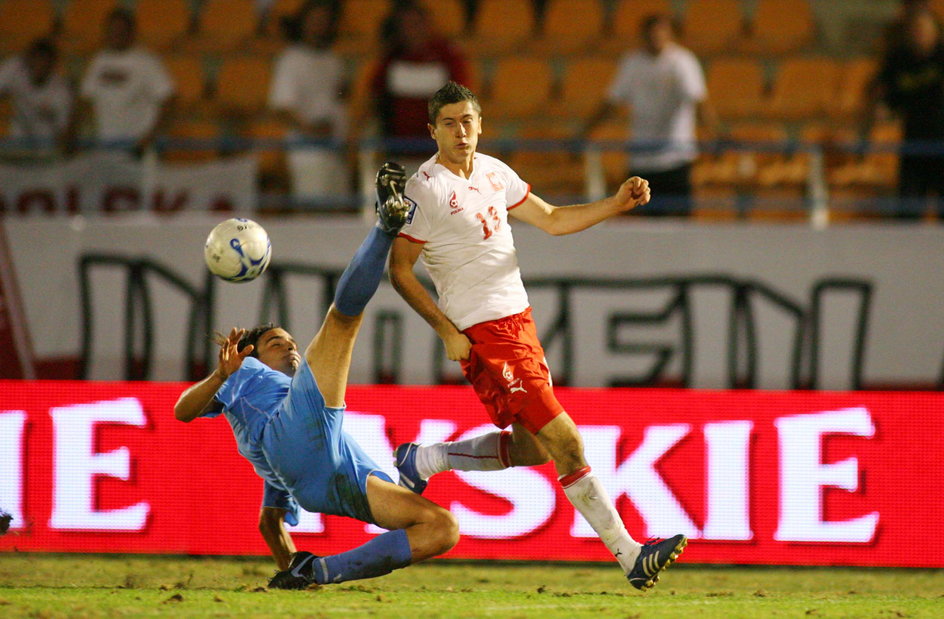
(237, 250)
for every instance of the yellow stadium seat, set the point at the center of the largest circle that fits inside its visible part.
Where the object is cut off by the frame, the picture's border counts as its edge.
(359, 26)
(520, 86)
(225, 26)
(189, 80)
(852, 87)
(550, 171)
(21, 21)
(622, 32)
(196, 151)
(162, 23)
(501, 26)
(449, 17)
(242, 85)
(713, 26)
(736, 86)
(803, 88)
(82, 24)
(570, 26)
(583, 85)
(781, 26)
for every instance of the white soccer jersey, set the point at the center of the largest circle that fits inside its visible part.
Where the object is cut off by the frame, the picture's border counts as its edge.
(468, 248)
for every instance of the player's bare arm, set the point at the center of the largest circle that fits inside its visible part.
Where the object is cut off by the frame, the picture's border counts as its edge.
(403, 257)
(277, 538)
(198, 398)
(560, 220)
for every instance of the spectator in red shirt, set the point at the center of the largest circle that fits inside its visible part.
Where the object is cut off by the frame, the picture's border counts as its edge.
(416, 62)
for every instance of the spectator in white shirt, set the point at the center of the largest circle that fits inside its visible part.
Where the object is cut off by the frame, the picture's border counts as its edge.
(40, 97)
(664, 87)
(306, 93)
(127, 87)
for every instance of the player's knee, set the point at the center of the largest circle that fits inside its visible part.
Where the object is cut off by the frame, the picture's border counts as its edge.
(446, 529)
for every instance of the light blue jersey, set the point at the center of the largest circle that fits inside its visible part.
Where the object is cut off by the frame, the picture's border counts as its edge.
(295, 442)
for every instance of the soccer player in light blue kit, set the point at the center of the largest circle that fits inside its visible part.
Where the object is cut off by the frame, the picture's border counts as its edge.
(286, 412)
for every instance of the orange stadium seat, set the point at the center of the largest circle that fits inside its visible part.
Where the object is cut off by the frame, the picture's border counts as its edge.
(736, 86)
(189, 80)
(273, 168)
(622, 31)
(570, 26)
(615, 162)
(242, 85)
(449, 17)
(519, 86)
(225, 25)
(82, 24)
(195, 130)
(713, 26)
(549, 171)
(781, 26)
(501, 26)
(583, 85)
(162, 23)
(21, 21)
(854, 78)
(359, 26)
(876, 169)
(803, 88)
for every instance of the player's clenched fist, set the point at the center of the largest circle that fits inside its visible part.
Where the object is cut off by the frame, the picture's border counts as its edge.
(633, 192)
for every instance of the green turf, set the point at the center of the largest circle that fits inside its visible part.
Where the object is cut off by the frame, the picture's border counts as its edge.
(41, 585)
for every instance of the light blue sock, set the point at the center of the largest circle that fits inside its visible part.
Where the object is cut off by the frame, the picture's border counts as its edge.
(360, 279)
(379, 556)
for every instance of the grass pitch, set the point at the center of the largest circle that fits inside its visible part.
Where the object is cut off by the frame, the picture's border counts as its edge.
(44, 585)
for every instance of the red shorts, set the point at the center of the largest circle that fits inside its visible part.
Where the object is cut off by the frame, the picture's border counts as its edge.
(507, 369)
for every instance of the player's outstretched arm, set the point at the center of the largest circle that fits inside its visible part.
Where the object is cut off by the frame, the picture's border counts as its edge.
(197, 399)
(559, 220)
(277, 538)
(402, 258)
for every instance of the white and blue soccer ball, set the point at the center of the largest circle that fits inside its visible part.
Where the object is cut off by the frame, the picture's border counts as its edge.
(238, 250)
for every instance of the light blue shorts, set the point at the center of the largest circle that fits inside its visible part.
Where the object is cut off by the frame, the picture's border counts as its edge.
(321, 465)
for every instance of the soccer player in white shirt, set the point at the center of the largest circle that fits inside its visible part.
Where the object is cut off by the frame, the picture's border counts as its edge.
(460, 202)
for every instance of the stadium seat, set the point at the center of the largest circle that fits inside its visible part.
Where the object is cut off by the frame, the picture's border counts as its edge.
(803, 88)
(621, 28)
(736, 86)
(162, 23)
(520, 85)
(21, 21)
(501, 27)
(713, 26)
(569, 26)
(615, 162)
(273, 169)
(82, 24)
(876, 169)
(780, 26)
(448, 16)
(583, 85)
(195, 130)
(854, 78)
(550, 171)
(225, 26)
(242, 85)
(359, 26)
(189, 80)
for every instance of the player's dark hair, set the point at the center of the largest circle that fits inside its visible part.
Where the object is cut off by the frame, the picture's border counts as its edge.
(449, 94)
(252, 336)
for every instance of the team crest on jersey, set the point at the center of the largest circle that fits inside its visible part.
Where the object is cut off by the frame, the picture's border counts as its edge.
(495, 181)
(454, 204)
(412, 205)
